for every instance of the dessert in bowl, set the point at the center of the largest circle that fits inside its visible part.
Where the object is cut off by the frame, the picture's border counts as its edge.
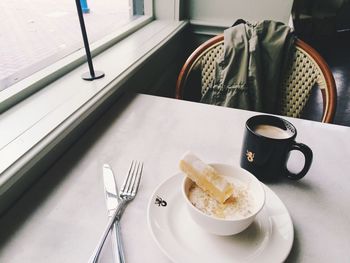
(222, 199)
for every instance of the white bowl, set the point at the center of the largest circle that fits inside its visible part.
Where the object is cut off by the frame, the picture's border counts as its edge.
(226, 227)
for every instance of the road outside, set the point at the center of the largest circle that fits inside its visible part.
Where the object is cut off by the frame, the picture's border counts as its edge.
(36, 33)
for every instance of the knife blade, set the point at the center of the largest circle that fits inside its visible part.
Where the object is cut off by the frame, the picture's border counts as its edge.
(112, 200)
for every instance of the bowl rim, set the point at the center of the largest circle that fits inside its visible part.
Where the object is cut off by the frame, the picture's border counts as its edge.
(256, 211)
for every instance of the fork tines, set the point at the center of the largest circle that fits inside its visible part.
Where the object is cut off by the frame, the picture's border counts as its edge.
(132, 181)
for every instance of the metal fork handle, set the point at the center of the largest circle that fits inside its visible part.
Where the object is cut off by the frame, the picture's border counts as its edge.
(102, 240)
(119, 240)
(115, 242)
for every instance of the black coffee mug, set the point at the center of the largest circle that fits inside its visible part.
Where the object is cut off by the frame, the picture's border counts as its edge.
(267, 143)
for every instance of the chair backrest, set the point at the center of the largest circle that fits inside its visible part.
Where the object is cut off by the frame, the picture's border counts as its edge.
(307, 69)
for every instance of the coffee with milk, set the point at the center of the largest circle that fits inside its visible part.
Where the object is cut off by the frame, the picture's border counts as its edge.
(272, 131)
(267, 143)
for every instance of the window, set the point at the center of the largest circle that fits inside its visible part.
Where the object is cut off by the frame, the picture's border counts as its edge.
(37, 33)
(43, 113)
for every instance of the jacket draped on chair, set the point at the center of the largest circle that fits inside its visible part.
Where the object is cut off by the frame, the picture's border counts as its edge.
(249, 74)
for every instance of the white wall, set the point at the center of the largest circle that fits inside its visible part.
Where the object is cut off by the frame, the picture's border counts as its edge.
(226, 12)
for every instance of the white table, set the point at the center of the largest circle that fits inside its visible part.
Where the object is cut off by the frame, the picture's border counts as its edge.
(61, 218)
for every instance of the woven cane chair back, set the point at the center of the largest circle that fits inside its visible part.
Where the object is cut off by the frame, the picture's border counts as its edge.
(307, 69)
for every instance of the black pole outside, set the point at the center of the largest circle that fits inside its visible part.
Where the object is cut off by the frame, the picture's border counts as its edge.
(92, 74)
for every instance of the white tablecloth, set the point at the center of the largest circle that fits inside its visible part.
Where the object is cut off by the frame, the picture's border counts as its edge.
(61, 218)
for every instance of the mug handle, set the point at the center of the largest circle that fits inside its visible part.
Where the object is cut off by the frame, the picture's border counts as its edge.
(307, 152)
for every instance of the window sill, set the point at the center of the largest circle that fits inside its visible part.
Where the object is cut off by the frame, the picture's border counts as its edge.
(30, 129)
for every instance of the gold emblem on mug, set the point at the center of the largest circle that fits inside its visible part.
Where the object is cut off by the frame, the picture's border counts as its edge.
(250, 156)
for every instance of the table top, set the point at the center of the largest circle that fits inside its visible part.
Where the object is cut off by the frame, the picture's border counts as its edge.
(61, 218)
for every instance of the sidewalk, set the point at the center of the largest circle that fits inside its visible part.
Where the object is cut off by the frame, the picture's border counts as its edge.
(36, 33)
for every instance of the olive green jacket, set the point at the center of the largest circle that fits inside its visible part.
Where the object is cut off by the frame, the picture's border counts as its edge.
(248, 76)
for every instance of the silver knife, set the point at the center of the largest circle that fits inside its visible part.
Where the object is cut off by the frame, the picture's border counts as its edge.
(112, 200)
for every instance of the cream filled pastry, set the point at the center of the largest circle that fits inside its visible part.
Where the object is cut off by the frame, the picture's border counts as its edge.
(206, 177)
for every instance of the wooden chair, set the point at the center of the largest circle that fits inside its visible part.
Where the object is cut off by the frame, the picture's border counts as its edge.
(307, 69)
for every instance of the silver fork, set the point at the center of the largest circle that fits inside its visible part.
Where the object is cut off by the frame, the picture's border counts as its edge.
(127, 194)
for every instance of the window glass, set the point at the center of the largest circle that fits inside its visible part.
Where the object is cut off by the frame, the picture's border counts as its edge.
(37, 33)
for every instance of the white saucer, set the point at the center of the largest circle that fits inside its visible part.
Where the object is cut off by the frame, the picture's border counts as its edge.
(268, 239)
